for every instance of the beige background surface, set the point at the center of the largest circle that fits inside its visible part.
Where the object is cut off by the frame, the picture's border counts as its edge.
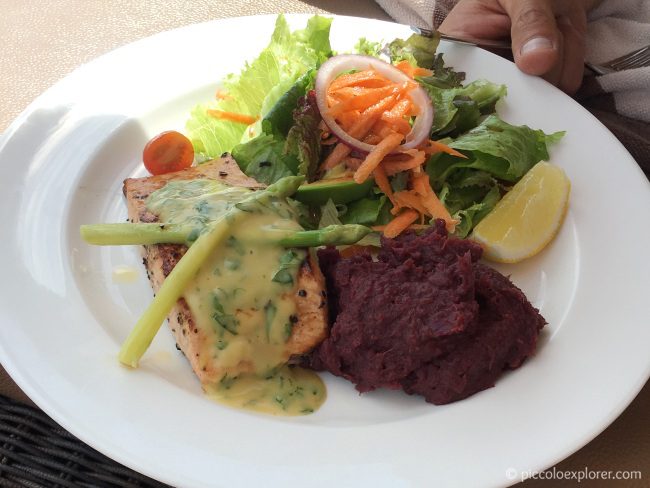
(41, 42)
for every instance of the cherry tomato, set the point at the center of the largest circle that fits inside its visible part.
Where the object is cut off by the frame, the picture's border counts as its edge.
(167, 152)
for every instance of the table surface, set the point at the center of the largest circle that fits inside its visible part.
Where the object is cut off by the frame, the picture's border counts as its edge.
(39, 46)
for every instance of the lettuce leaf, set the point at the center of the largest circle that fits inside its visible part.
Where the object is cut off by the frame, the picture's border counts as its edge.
(303, 139)
(498, 154)
(417, 50)
(263, 159)
(443, 76)
(260, 84)
(368, 48)
(507, 151)
(472, 215)
(459, 109)
(329, 215)
(279, 118)
(365, 211)
(290, 142)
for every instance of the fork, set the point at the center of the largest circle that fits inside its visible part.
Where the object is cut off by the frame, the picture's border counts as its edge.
(635, 59)
(488, 43)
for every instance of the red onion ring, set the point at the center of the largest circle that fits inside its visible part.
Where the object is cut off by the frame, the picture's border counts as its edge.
(336, 65)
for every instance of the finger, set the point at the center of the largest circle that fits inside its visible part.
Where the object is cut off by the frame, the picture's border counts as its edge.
(554, 75)
(476, 19)
(573, 51)
(535, 35)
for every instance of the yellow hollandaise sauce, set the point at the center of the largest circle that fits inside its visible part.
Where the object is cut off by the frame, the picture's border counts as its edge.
(242, 299)
(289, 390)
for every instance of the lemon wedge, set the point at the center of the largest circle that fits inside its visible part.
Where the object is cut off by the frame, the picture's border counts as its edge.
(527, 218)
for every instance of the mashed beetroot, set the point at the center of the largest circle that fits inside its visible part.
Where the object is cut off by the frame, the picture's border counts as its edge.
(426, 317)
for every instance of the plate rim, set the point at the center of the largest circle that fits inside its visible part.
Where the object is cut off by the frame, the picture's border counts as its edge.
(46, 405)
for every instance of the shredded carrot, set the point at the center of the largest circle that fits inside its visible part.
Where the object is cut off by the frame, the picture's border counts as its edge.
(412, 71)
(433, 147)
(414, 111)
(222, 95)
(402, 126)
(352, 163)
(376, 155)
(398, 157)
(384, 185)
(348, 92)
(339, 152)
(383, 127)
(372, 139)
(401, 109)
(414, 161)
(358, 130)
(377, 111)
(232, 116)
(372, 83)
(422, 186)
(400, 223)
(347, 119)
(364, 100)
(353, 251)
(380, 228)
(409, 199)
(405, 67)
(369, 116)
(363, 78)
(370, 98)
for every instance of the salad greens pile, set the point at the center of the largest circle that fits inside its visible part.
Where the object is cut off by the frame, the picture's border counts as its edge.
(261, 84)
(289, 139)
(286, 140)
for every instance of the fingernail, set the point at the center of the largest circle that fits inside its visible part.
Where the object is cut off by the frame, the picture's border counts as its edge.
(536, 43)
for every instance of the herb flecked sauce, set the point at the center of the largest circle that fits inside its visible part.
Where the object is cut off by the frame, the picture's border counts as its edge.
(243, 299)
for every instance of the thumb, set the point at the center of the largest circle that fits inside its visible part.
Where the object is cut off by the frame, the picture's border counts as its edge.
(535, 35)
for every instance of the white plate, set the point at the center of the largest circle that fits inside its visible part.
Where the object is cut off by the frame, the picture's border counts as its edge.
(62, 317)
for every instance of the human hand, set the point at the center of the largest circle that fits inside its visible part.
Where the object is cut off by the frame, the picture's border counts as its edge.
(548, 36)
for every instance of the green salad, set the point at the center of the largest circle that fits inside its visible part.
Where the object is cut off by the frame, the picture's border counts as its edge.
(287, 136)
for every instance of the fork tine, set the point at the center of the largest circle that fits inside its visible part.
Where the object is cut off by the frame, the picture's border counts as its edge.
(629, 60)
(646, 62)
(636, 59)
(636, 62)
(643, 60)
(625, 56)
(628, 63)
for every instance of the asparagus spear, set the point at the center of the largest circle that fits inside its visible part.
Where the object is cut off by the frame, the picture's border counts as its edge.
(332, 235)
(175, 284)
(140, 233)
(156, 233)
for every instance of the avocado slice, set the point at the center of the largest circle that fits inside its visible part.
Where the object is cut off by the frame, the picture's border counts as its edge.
(339, 190)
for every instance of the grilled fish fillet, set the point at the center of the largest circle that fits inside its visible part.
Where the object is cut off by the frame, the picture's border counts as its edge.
(160, 259)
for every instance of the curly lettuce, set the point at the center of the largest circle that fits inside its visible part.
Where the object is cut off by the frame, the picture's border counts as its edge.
(417, 50)
(259, 86)
(498, 155)
(289, 142)
(460, 109)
